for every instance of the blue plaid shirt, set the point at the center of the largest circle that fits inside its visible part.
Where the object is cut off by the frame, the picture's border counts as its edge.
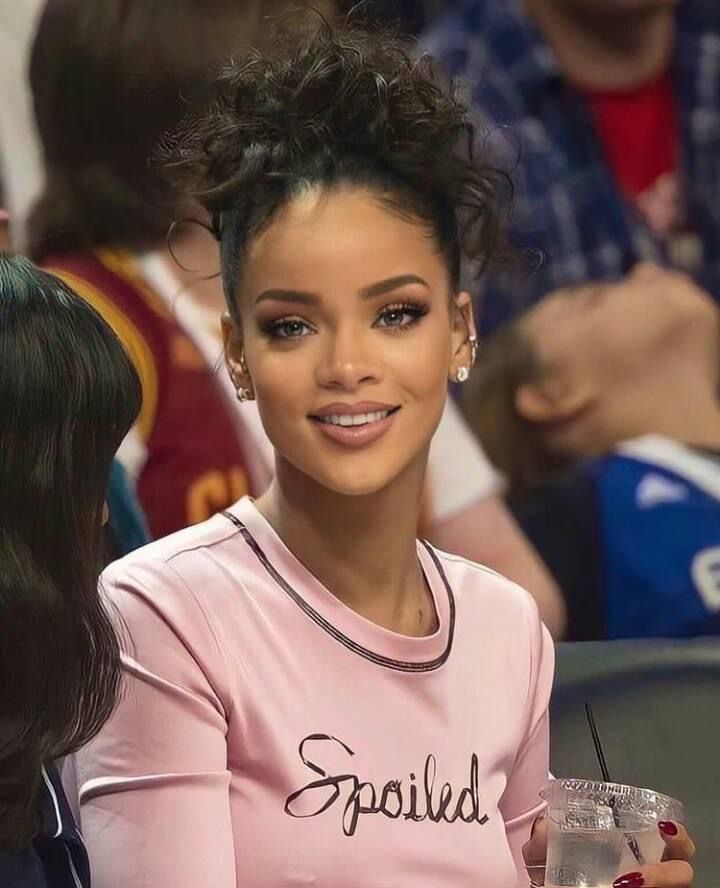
(568, 208)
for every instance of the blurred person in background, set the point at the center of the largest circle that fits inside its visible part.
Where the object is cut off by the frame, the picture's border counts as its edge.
(19, 149)
(612, 390)
(609, 115)
(107, 80)
(68, 395)
(4, 218)
(102, 224)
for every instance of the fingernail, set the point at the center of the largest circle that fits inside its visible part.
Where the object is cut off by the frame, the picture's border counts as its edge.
(631, 880)
(668, 828)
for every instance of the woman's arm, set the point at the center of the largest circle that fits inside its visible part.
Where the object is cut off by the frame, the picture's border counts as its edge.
(521, 802)
(154, 785)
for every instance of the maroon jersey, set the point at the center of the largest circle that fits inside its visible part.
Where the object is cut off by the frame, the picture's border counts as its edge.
(194, 463)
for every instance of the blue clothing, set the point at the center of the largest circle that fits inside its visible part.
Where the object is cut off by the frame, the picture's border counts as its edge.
(633, 539)
(568, 209)
(128, 526)
(57, 858)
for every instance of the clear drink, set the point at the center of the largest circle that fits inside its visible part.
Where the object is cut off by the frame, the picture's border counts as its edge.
(580, 858)
(600, 831)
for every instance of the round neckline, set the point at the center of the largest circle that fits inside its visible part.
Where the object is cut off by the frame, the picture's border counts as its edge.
(357, 633)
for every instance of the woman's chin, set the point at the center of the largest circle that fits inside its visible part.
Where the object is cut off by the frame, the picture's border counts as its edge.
(353, 484)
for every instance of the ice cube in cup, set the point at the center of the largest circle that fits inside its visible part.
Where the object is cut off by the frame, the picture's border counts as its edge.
(597, 831)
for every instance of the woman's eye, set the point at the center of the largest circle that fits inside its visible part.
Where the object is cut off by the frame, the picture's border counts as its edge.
(288, 328)
(400, 316)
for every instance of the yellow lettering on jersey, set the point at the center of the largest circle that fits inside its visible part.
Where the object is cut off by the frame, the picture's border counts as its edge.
(214, 491)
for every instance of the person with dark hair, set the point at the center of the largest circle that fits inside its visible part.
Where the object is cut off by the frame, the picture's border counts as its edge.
(108, 79)
(600, 404)
(609, 113)
(144, 65)
(313, 695)
(68, 395)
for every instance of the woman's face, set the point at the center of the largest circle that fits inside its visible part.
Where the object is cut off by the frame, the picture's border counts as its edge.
(349, 337)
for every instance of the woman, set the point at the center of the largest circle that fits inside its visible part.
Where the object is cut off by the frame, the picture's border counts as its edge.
(313, 696)
(68, 395)
(600, 404)
(143, 65)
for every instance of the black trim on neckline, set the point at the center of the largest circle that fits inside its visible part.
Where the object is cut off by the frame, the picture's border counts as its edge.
(331, 630)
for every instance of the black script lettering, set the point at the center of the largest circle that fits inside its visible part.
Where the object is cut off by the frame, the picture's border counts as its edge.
(326, 782)
(354, 807)
(446, 796)
(471, 792)
(362, 796)
(393, 787)
(429, 784)
(412, 812)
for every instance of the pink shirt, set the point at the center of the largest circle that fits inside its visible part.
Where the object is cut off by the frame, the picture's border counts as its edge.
(270, 736)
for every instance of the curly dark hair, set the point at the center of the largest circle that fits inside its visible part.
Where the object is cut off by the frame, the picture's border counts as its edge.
(331, 105)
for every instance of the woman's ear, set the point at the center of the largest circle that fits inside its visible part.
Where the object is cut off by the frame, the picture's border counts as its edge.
(464, 338)
(235, 359)
(552, 400)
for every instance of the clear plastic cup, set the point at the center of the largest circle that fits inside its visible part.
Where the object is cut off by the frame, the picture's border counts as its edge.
(600, 831)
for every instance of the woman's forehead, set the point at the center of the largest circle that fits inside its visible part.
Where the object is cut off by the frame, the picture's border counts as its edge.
(348, 232)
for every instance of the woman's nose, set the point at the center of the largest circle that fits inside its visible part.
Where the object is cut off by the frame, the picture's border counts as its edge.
(349, 361)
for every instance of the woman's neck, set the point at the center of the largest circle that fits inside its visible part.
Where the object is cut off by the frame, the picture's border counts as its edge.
(362, 548)
(606, 50)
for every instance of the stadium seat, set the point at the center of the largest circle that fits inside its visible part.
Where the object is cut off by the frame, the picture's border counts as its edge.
(657, 708)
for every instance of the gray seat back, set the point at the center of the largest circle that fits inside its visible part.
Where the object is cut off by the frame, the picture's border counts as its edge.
(657, 708)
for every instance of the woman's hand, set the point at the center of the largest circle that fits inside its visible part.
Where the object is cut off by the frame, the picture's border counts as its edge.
(674, 872)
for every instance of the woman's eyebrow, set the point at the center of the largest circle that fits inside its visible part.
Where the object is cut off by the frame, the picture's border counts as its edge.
(371, 291)
(281, 295)
(382, 287)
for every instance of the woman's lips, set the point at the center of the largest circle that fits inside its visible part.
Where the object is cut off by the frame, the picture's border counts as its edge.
(356, 436)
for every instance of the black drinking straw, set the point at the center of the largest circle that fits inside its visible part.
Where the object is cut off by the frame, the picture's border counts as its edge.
(631, 840)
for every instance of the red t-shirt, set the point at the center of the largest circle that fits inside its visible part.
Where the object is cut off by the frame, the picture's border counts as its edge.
(194, 465)
(639, 132)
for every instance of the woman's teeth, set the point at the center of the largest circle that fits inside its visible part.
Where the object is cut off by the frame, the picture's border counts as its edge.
(357, 420)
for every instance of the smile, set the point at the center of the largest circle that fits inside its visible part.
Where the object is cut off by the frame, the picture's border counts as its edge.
(354, 425)
(360, 419)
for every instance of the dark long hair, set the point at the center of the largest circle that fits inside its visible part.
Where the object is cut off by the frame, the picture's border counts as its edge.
(68, 395)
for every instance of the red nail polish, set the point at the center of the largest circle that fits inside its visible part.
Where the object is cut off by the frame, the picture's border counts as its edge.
(668, 828)
(631, 880)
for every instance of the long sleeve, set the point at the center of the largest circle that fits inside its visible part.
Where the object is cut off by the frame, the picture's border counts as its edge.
(521, 802)
(154, 785)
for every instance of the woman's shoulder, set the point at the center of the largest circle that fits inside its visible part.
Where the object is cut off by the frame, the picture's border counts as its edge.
(194, 568)
(486, 594)
(501, 619)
